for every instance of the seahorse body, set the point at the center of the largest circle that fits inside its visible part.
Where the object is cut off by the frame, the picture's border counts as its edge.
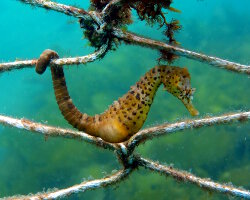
(126, 116)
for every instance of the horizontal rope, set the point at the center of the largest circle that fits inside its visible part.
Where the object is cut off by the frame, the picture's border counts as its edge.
(141, 136)
(59, 62)
(160, 130)
(49, 131)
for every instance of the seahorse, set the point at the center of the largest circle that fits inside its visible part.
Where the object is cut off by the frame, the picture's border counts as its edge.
(126, 116)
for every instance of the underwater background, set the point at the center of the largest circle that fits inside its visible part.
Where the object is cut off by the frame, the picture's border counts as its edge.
(29, 164)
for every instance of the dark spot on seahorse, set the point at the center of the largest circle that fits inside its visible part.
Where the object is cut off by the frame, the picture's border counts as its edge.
(142, 91)
(132, 92)
(129, 118)
(138, 117)
(153, 70)
(150, 89)
(159, 70)
(133, 104)
(128, 109)
(155, 78)
(139, 106)
(143, 102)
(126, 126)
(134, 123)
(100, 118)
(138, 96)
(133, 113)
(70, 106)
(141, 111)
(114, 108)
(119, 118)
(125, 116)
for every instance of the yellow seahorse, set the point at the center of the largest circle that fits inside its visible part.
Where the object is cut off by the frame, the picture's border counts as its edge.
(126, 116)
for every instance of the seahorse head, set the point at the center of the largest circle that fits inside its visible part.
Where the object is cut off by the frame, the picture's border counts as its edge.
(176, 80)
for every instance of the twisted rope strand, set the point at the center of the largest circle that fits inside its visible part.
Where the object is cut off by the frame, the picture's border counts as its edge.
(82, 187)
(138, 138)
(122, 174)
(188, 177)
(165, 129)
(214, 61)
(139, 40)
(59, 62)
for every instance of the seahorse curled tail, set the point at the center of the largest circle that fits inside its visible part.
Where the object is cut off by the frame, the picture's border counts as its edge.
(69, 111)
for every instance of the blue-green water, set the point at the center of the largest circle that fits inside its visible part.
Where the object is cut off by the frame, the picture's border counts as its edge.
(29, 164)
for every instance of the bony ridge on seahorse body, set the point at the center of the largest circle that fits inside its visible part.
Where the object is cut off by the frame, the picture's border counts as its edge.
(126, 116)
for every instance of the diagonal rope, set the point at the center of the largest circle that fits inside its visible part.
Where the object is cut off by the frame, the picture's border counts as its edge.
(82, 187)
(140, 40)
(68, 10)
(188, 177)
(214, 61)
(179, 175)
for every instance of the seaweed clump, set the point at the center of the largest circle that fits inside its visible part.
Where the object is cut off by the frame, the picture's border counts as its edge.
(120, 16)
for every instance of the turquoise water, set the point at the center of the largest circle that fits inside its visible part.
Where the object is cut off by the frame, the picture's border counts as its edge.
(29, 164)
